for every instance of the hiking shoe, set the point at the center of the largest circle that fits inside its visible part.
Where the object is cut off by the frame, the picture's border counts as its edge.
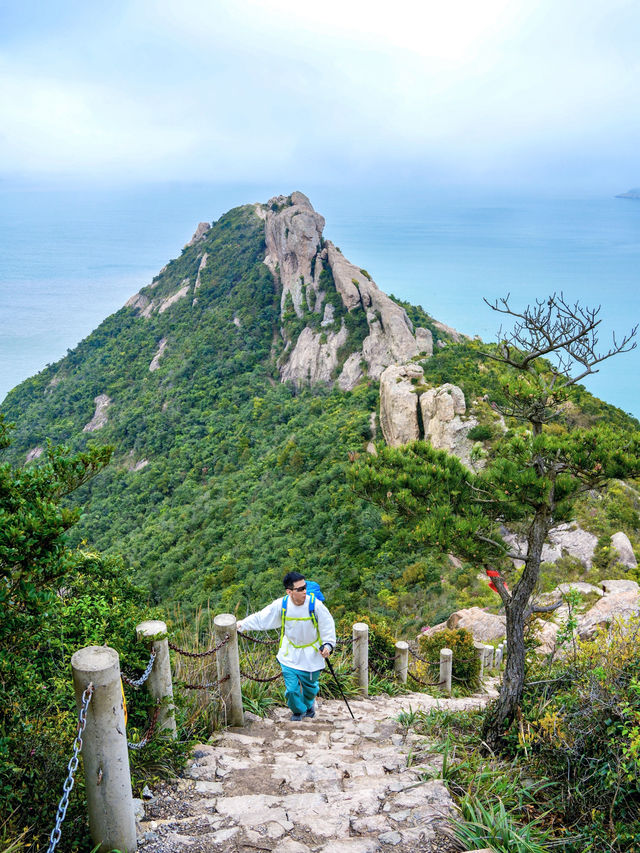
(295, 718)
(311, 712)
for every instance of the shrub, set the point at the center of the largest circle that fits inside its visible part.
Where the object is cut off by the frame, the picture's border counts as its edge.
(582, 728)
(466, 663)
(481, 432)
(382, 640)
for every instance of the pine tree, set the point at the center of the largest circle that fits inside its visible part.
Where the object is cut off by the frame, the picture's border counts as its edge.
(531, 482)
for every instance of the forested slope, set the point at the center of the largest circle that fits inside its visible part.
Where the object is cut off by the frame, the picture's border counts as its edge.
(223, 477)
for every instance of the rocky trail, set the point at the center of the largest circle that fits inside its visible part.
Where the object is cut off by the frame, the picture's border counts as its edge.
(323, 785)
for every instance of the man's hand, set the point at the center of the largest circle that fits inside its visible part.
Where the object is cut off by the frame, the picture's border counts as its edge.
(239, 626)
(326, 650)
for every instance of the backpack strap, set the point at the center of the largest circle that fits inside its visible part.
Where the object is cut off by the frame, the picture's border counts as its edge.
(283, 611)
(311, 616)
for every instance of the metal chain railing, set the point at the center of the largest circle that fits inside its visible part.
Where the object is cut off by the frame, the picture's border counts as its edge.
(138, 682)
(206, 686)
(144, 740)
(261, 680)
(256, 640)
(56, 832)
(426, 683)
(210, 651)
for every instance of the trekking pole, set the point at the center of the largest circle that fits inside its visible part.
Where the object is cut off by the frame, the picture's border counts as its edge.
(339, 688)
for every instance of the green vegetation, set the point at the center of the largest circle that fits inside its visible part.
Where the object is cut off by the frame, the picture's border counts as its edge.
(533, 479)
(54, 600)
(222, 479)
(466, 663)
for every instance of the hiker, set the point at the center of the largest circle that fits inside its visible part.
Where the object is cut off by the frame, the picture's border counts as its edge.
(307, 637)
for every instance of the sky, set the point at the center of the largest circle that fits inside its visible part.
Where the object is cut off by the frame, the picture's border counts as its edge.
(509, 93)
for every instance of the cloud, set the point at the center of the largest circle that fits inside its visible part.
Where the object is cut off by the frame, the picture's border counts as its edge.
(254, 89)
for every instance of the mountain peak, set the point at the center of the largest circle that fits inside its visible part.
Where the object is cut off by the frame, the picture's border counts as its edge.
(335, 322)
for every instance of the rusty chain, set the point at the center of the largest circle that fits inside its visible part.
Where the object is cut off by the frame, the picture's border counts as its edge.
(149, 733)
(210, 651)
(256, 640)
(207, 686)
(140, 681)
(261, 680)
(426, 683)
(56, 832)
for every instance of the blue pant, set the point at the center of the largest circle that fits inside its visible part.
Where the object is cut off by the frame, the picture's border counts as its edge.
(301, 688)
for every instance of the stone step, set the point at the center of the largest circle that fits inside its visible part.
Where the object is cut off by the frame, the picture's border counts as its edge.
(327, 785)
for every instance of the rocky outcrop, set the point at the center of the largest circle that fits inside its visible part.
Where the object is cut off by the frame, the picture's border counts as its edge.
(99, 418)
(196, 286)
(293, 234)
(486, 627)
(624, 550)
(312, 361)
(399, 403)
(174, 297)
(409, 412)
(200, 233)
(298, 255)
(613, 606)
(442, 410)
(565, 538)
(155, 361)
(34, 453)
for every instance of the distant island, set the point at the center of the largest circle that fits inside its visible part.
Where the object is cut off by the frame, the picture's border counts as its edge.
(633, 193)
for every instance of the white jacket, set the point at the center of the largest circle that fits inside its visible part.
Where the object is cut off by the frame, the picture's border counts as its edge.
(307, 659)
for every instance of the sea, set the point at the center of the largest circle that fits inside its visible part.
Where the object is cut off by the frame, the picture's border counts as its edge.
(70, 256)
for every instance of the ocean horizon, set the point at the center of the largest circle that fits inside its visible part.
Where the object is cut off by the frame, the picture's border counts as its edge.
(70, 257)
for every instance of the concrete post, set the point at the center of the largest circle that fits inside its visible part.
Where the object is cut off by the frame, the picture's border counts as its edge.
(159, 683)
(479, 647)
(401, 662)
(361, 655)
(488, 657)
(446, 669)
(228, 664)
(499, 657)
(105, 754)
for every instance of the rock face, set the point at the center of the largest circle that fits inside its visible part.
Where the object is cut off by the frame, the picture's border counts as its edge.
(442, 409)
(569, 538)
(485, 627)
(399, 403)
(200, 232)
(308, 268)
(99, 418)
(409, 412)
(622, 546)
(155, 361)
(619, 606)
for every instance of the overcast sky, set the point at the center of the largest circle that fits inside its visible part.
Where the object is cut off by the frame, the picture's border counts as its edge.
(510, 93)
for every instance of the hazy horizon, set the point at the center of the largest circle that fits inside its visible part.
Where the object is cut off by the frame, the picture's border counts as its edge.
(509, 94)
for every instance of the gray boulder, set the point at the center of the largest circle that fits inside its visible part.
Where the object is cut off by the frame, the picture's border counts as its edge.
(486, 627)
(624, 550)
(399, 403)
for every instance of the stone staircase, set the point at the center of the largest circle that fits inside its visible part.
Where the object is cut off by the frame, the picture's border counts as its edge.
(327, 785)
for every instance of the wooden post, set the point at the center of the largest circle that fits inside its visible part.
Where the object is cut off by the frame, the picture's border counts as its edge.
(228, 664)
(446, 669)
(361, 656)
(105, 753)
(401, 662)
(159, 683)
